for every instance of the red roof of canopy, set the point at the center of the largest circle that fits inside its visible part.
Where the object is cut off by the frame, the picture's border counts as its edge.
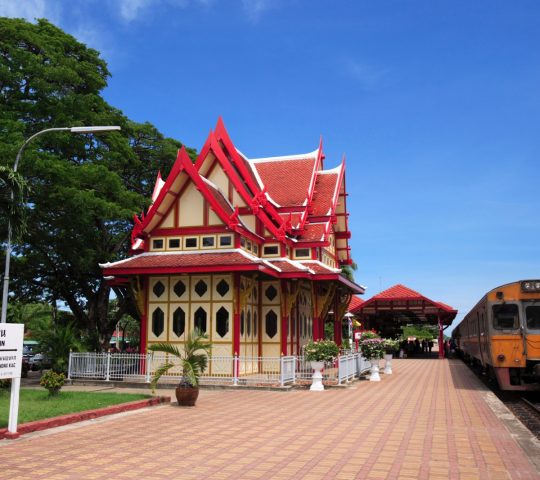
(355, 303)
(397, 298)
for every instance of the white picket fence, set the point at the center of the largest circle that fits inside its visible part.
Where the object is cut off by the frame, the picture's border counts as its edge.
(254, 371)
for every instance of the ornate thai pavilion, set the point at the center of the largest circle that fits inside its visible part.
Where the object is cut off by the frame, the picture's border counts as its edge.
(247, 250)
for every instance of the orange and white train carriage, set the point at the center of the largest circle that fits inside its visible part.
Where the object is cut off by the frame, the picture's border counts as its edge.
(502, 334)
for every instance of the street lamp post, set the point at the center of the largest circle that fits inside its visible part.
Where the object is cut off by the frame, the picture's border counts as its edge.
(77, 130)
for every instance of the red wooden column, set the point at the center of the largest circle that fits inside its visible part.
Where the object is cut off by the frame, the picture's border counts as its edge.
(236, 315)
(316, 319)
(144, 326)
(337, 322)
(144, 318)
(441, 337)
(284, 317)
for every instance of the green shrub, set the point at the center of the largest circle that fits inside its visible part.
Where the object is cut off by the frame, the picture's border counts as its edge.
(52, 381)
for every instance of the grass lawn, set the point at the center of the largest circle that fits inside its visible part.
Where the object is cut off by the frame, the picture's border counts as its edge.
(37, 405)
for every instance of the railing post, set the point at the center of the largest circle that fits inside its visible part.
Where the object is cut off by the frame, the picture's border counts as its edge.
(281, 371)
(235, 370)
(108, 373)
(69, 365)
(148, 369)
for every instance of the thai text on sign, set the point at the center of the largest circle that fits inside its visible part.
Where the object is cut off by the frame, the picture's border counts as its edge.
(11, 348)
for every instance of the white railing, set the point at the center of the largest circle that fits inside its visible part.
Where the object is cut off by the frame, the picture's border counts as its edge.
(254, 371)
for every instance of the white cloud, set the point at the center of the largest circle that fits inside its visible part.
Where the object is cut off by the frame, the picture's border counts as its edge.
(130, 10)
(254, 9)
(30, 9)
(367, 75)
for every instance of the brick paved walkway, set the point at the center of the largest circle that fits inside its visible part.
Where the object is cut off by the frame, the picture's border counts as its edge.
(427, 421)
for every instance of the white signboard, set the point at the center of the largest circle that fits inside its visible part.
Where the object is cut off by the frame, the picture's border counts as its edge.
(11, 349)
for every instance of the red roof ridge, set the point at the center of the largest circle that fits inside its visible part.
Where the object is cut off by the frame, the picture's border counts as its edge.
(398, 291)
(301, 156)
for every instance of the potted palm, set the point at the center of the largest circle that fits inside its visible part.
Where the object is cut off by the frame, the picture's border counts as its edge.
(193, 360)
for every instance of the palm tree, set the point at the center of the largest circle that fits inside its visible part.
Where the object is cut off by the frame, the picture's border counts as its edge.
(348, 271)
(193, 360)
(56, 340)
(13, 192)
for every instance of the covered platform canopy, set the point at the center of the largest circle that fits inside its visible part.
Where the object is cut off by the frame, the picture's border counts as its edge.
(399, 305)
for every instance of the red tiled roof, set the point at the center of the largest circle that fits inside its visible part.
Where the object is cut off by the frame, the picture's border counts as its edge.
(355, 303)
(314, 232)
(401, 292)
(288, 267)
(398, 291)
(295, 218)
(445, 306)
(181, 260)
(318, 267)
(323, 198)
(287, 181)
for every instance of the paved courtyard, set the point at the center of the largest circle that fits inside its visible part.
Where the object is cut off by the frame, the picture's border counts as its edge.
(430, 420)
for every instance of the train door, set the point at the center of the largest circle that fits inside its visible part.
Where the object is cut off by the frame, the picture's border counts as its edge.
(531, 327)
(480, 335)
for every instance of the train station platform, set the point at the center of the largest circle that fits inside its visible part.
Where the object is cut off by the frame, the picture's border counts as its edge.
(431, 419)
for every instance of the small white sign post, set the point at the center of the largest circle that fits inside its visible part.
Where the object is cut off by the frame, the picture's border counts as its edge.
(11, 352)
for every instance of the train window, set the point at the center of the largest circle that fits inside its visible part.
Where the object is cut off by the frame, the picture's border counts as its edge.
(533, 317)
(505, 317)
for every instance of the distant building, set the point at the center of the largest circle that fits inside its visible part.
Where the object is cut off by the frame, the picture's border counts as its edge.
(247, 250)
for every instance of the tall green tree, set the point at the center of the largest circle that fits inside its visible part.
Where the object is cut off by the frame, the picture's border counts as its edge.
(84, 188)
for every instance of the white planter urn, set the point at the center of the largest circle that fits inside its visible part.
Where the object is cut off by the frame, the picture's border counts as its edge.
(316, 379)
(374, 372)
(388, 364)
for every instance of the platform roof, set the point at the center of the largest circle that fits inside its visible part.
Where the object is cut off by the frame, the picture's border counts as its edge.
(402, 304)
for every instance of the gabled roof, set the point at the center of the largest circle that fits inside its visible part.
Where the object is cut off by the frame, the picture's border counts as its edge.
(288, 180)
(292, 196)
(355, 303)
(401, 298)
(325, 197)
(398, 291)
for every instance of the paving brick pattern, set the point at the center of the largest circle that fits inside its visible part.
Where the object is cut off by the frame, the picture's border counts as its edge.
(427, 421)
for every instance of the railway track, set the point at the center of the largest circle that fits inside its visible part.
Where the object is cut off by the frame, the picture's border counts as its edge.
(524, 405)
(528, 411)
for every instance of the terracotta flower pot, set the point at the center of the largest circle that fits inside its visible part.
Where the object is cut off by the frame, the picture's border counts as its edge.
(187, 396)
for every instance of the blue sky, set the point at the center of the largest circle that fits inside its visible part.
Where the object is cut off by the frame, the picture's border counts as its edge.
(436, 105)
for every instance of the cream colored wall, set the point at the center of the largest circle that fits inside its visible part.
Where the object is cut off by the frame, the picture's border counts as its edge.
(341, 243)
(249, 325)
(211, 302)
(305, 315)
(271, 346)
(170, 220)
(250, 222)
(213, 219)
(237, 200)
(191, 207)
(218, 178)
